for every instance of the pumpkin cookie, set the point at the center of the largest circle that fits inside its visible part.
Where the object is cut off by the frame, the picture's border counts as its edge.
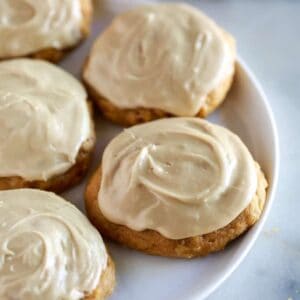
(179, 187)
(160, 60)
(42, 29)
(49, 250)
(47, 133)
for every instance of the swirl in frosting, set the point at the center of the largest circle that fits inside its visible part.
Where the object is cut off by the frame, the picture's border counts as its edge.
(27, 26)
(48, 248)
(181, 177)
(44, 119)
(165, 56)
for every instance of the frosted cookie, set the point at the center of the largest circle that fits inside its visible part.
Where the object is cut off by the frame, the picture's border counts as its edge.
(42, 29)
(157, 61)
(179, 187)
(49, 250)
(46, 131)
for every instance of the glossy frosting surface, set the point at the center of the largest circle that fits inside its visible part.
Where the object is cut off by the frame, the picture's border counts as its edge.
(181, 177)
(48, 248)
(164, 56)
(44, 119)
(27, 26)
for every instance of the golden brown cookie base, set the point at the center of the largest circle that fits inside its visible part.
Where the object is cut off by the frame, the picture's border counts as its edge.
(106, 284)
(59, 183)
(129, 117)
(152, 242)
(54, 55)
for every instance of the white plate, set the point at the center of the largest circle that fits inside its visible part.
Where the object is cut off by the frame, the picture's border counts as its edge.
(140, 276)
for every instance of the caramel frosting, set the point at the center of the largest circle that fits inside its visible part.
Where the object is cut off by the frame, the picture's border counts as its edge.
(44, 119)
(48, 248)
(163, 56)
(181, 177)
(27, 26)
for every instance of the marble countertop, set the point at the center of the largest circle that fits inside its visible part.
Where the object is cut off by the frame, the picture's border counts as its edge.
(268, 39)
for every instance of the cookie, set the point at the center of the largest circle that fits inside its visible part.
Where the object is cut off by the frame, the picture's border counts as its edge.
(179, 187)
(50, 250)
(47, 132)
(157, 61)
(41, 29)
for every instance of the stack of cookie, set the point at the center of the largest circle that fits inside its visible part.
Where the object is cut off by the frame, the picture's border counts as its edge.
(179, 186)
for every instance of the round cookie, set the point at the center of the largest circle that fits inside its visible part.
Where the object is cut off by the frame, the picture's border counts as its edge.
(174, 201)
(47, 133)
(157, 61)
(43, 29)
(49, 250)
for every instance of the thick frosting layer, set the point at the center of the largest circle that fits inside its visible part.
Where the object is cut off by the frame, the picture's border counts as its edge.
(181, 177)
(164, 56)
(44, 119)
(48, 248)
(27, 26)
